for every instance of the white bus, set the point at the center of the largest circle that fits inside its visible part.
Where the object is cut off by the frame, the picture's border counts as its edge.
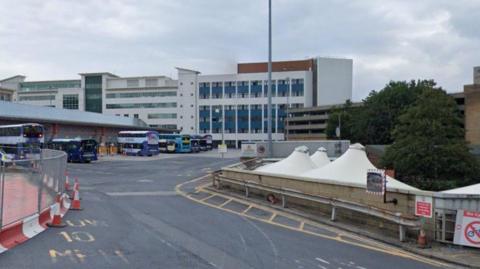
(22, 141)
(142, 143)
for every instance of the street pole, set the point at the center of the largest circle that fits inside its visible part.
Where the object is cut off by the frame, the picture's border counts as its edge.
(223, 129)
(288, 107)
(269, 91)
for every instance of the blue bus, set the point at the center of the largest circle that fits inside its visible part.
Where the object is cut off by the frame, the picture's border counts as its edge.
(180, 143)
(138, 143)
(78, 150)
(22, 141)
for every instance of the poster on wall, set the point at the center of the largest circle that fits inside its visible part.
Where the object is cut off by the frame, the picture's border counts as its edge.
(376, 181)
(423, 206)
(467, 228)
(249, 150)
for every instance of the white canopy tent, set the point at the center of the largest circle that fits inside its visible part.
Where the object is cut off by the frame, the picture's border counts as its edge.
(296, 163)
(472, 189)
(352, 167)
(320, 157)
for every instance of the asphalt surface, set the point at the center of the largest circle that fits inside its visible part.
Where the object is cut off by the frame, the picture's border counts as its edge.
(134, 218)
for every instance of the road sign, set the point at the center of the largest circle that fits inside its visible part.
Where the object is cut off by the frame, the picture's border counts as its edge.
(249, 149)
(376, 181)
(467, 228)
(222, 148)
(423, 206)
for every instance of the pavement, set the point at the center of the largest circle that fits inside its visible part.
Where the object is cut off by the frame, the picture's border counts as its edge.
(149, 214)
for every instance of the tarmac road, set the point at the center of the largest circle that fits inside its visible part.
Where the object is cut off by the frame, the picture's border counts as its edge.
(133, 217)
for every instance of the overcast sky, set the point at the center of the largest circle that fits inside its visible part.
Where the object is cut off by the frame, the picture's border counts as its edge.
(387, 40)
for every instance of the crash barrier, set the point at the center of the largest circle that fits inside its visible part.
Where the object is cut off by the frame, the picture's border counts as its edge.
(31, 193)
(340, 201)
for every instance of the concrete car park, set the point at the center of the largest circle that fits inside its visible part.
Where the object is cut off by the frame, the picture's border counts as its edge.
(145, 213)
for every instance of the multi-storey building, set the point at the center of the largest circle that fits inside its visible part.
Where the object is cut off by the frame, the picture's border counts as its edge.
(232, 106)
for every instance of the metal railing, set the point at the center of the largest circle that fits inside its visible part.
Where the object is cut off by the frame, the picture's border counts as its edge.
(29, 182)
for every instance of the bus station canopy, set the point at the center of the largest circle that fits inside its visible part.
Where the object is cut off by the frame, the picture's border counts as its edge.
(320, 157)
(352, 167)
(296, 163)
(471, 189)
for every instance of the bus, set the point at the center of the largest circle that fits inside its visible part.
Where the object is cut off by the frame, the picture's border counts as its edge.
(78, 150)
(209, 141)
(22, 141)
(202, 142)
(141, 143)
(175, 143)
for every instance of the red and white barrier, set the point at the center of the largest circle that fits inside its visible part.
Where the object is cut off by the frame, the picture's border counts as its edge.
(19, 232)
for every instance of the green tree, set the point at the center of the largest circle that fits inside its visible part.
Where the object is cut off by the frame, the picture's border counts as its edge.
(372, 121)
(429, 151)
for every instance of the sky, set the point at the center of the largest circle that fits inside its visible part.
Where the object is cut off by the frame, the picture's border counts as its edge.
(387, 39)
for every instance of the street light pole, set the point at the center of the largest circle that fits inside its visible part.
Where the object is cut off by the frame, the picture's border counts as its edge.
(269, 91)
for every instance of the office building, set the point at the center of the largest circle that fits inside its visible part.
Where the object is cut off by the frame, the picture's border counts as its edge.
(232, 104)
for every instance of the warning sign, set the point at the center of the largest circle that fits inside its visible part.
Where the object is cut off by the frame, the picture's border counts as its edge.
(423, 206)
(467, 228)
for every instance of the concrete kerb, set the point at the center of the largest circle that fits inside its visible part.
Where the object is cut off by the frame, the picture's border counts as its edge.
(343, 227)
(22, 230)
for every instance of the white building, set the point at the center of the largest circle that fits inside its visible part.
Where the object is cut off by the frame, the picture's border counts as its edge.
(205, 104)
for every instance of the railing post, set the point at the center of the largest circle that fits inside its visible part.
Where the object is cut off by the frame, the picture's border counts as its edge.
(401, 233)
(2, 186)
(284, 201)
(246, 191)
(334, 212)
(40, 177)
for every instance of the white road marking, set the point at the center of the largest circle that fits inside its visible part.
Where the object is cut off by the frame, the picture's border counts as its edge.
(143, 193)
(145, 180)
(322, 260)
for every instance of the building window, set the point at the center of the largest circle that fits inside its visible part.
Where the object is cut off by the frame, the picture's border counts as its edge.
(132, 83)
(125, 115)
(151, 82)
(162, 116)
(140, 94)
(135, 116)
(141, 105)
(70, 101)
(37, 98)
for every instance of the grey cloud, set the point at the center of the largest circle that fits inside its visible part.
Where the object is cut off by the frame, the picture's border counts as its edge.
(388, 40)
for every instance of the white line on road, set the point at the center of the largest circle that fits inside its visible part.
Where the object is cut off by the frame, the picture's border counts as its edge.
(143, 193)
(322, 260)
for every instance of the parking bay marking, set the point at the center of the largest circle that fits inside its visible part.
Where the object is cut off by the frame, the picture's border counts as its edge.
(379, 248)
(143, 193)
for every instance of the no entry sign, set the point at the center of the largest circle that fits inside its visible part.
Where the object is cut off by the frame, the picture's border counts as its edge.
(467, 228)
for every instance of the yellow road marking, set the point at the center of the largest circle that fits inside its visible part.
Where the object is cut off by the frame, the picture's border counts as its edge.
(245, 211)
(272, 217)
(381, 247)
(208, 197)
(224, 203)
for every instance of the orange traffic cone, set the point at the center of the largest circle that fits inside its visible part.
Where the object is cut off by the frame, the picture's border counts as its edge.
(76, 201)
(422, 239)
(76, 185)
(57, 217)
(67, 183)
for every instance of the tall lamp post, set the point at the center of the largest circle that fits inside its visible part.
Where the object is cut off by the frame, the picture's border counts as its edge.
(269, 91)
(287, 80)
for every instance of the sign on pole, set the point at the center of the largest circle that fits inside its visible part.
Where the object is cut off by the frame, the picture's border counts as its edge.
(467, 228)
(423, 206)
(249, 149)
(376, 181)
(222, 148)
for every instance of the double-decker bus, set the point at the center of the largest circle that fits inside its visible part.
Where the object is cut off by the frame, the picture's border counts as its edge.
(78, 150)
(142, 143)
(202, 141)
(180, 143)
(22, 141)
(209, 141)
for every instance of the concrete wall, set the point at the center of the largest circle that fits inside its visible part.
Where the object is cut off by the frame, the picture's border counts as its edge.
(282, 149)
(334, 80)
(472, 114)
(326, 189)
